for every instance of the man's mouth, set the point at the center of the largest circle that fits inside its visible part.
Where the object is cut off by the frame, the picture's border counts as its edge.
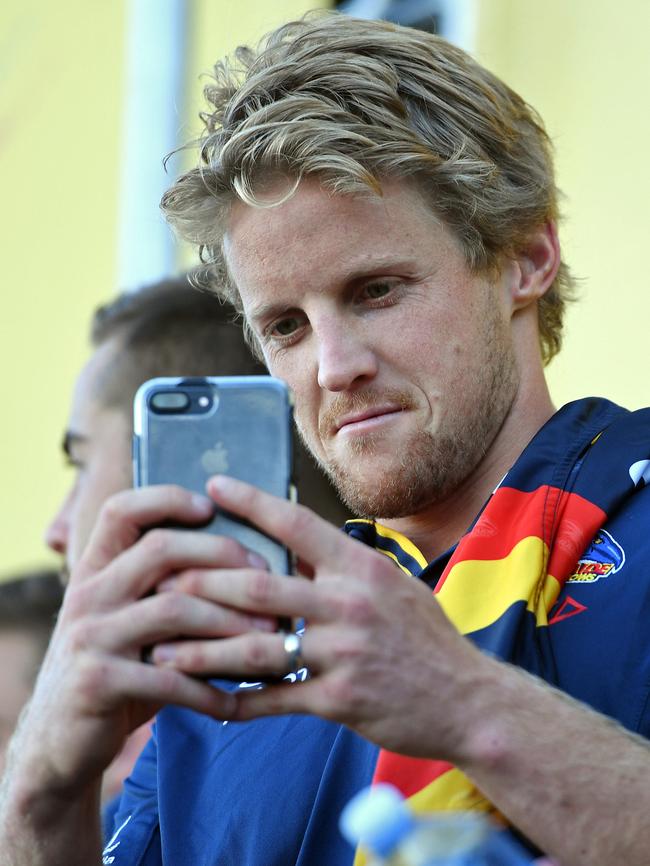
(367, 419)
(350, 413)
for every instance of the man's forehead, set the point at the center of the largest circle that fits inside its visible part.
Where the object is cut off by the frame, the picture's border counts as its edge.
(316, 230)
(250, 226)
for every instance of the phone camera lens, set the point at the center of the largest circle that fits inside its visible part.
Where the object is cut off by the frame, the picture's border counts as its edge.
(170, 401)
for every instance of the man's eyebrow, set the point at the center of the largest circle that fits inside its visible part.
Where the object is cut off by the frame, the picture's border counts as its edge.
(268, 311)
(354, 276)
(70, 439)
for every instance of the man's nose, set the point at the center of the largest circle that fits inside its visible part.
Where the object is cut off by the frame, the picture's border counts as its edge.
(344, 360)
(57, 533)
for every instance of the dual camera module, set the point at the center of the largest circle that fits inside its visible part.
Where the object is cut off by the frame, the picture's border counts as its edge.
(187, 398)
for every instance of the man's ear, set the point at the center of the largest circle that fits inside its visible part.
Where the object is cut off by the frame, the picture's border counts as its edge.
(538, 262)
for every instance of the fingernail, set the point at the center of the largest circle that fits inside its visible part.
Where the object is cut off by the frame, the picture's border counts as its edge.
(164, 653)
(222, 482)
(257, 561)
(202, 504)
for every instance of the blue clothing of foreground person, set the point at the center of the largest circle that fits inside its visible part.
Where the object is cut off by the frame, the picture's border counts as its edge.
(270, 791)
(261, 793)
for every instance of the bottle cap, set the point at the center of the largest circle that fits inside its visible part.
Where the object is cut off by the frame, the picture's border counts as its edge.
(377, 818)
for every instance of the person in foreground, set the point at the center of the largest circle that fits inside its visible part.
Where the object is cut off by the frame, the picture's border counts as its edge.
(385, 212)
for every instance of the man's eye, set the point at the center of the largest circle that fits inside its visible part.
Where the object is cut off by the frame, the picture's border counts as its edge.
(377, 290)
(286, 327)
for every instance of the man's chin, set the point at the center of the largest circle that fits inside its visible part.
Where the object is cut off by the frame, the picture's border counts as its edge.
(384, 476)
(402, 480)
(373, 490)
(368, 454)
(386, 502)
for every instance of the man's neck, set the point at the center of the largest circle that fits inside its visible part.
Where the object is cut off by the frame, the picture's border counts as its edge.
(437, 527)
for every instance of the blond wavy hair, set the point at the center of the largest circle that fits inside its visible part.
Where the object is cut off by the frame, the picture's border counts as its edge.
(353, 102)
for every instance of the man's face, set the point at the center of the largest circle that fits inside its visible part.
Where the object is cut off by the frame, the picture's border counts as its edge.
(98, 446)
(400, 357)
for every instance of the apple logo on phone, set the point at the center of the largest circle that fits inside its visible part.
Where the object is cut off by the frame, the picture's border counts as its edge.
(215, 459)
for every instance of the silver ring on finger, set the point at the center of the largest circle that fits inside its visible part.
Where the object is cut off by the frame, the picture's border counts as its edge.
(293, 652)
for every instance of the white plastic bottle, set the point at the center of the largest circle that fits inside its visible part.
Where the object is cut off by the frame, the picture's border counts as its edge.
(379, 819)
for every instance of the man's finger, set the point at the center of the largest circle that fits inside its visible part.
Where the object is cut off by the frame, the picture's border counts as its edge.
(300, 697)
(248, 654)
(245, 655)
(159, 554)
(168, 616)
(310, 537)
(126, 515)
(160, 685)
(260, 592)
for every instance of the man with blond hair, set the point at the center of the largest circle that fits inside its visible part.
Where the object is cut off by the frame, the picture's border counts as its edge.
(384, 212)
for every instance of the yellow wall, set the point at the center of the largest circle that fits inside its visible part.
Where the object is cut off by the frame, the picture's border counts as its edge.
(219, 26)
(585, 66)
(582, 64)
(60, 107)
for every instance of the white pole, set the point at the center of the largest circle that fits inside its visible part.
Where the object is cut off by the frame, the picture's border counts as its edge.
(153, 101)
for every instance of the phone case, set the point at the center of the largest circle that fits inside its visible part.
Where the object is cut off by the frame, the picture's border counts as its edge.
(245, 432)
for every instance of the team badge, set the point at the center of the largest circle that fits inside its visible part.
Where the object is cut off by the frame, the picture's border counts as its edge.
(603, 557)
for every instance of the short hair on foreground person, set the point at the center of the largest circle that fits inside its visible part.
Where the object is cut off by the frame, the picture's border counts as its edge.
(354, 105)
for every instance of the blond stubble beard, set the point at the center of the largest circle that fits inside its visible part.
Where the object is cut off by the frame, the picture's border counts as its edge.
(432, 465)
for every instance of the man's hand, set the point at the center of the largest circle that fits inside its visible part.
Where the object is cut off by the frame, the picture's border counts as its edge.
(381, 652)
(387, 662)
(94, 688)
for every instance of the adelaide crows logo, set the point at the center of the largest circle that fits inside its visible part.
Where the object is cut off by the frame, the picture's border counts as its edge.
(603, 557)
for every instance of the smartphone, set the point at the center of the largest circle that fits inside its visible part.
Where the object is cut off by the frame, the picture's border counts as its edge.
(186, 430)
